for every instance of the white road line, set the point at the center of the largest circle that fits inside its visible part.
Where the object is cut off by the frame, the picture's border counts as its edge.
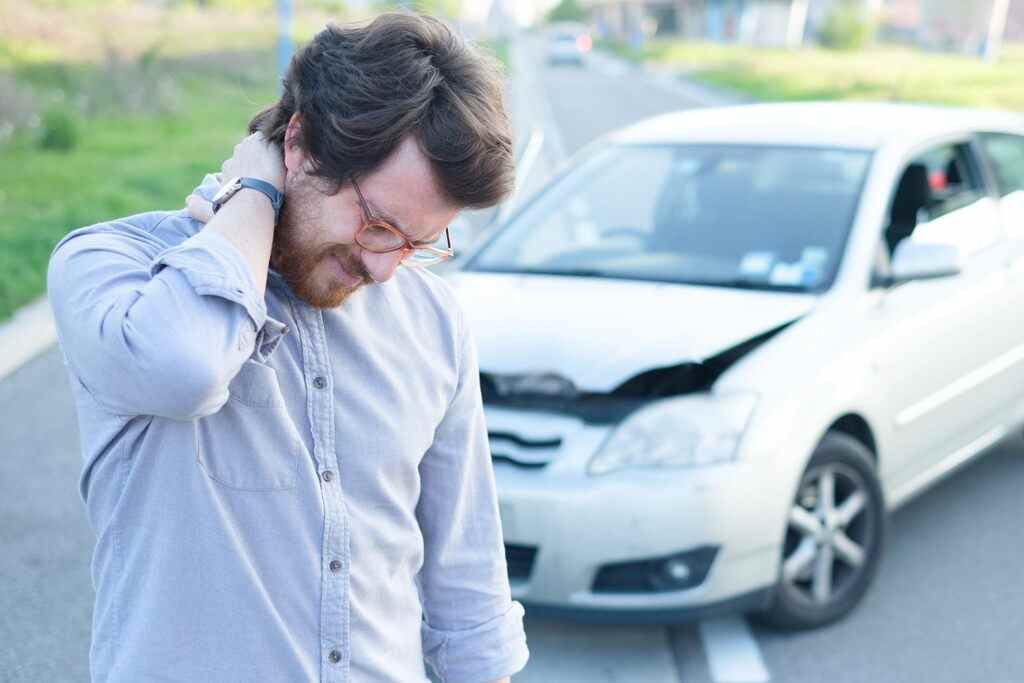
(529, 70)
(25, 335)
(732, 653)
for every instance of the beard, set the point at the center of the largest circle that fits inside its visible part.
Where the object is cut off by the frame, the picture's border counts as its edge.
(304, 264)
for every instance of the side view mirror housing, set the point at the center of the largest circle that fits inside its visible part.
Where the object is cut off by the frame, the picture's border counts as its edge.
(923, 261)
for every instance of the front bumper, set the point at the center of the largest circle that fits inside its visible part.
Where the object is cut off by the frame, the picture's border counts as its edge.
(578, 524)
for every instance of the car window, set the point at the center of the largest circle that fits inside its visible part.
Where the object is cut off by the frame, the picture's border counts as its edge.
(616, 203)
(1006, 154)
(953, 177)
(934, 198)
(752, 216)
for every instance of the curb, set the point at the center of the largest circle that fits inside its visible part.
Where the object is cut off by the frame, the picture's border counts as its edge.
(27, 334)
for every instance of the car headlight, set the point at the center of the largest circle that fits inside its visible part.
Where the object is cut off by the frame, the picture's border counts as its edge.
(686, 431)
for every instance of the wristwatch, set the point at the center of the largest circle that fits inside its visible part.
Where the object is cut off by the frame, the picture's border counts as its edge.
(232, 187)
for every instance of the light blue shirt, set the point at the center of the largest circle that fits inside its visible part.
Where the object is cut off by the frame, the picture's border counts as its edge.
(279, 493)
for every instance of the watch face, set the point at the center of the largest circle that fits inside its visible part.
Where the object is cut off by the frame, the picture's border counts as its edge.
(229, 189)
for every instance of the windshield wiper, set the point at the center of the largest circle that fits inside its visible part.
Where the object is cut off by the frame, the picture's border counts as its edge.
(574, 272)
(748, 283)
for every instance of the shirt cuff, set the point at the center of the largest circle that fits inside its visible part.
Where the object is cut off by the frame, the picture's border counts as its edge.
(213, 265)
(482, 654)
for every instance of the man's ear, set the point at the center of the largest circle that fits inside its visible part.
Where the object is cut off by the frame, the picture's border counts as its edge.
(294, 156)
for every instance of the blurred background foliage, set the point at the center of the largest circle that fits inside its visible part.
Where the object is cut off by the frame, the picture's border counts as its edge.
(113, 107)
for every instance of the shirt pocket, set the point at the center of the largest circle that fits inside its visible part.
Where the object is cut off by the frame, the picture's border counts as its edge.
(250, 444)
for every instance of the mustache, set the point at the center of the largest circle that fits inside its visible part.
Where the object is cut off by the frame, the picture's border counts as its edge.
(351, 264)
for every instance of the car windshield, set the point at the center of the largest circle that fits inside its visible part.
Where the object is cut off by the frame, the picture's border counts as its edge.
(745, 216)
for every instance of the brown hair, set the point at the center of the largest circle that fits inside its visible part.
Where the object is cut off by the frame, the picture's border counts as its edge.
(360, 89)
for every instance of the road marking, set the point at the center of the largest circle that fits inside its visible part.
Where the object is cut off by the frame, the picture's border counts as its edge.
(27, 334)
(732, 653)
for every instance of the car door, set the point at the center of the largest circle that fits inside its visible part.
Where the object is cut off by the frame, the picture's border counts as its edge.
(1004, 154)
(938, 337)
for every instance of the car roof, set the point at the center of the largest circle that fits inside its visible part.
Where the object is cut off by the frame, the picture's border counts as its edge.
(861, 125)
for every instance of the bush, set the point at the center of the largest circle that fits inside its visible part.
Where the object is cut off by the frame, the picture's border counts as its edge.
(847, 26)
(567, 10)
(58, 130)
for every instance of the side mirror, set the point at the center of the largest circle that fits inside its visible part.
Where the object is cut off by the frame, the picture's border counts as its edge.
(923, 261)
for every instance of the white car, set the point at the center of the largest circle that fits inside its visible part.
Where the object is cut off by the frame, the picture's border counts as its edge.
(568, 43)
(723, 343)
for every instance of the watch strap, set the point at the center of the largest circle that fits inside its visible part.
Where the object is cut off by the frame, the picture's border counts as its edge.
(275, 196)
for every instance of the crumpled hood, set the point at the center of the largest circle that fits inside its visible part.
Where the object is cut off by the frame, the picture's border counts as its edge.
(600, 332)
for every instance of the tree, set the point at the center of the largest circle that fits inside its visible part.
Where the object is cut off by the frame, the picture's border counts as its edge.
(567, 10)
(848, 26)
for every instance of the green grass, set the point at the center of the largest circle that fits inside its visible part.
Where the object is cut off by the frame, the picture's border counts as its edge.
(120, 166)
(500, 49)
(874, 73)
(158, 99)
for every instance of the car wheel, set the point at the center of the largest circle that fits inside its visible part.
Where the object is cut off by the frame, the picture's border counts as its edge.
(833, 539)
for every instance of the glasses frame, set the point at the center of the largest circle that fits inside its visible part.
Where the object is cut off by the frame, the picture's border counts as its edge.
(372, 220)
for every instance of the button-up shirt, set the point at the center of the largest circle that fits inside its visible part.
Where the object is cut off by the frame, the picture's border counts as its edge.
(279, 493)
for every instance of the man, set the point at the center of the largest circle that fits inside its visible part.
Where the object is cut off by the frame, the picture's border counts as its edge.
(286, 461)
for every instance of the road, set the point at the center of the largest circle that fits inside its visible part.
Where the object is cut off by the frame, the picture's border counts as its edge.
(947, 605)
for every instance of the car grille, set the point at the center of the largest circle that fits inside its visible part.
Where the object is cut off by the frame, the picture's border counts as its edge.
(517, 450)
(520, 561)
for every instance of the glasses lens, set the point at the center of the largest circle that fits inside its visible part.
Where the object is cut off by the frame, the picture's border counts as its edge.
(376, 237)
(422, 257)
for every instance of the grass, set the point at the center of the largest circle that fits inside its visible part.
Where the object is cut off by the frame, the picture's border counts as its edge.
(874, 73)
(498, 47)
(120, 166)
(153, 113)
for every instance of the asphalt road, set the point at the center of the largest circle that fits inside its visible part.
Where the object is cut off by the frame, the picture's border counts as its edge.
(947, 605)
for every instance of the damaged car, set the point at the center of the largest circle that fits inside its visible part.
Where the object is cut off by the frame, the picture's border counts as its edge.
(722, 344)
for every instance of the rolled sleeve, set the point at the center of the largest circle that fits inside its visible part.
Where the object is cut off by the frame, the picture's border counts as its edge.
(472, 630)
(213, 265)
(132, 313)
(482, 654)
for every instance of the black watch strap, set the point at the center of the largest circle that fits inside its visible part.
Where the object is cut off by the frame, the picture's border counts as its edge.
(275, 196)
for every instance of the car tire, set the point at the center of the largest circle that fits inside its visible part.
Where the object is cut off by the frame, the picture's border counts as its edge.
(821, 533)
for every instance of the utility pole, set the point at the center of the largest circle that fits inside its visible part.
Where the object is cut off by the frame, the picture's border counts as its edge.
(284, 36)
(797, 23)
(996, 29)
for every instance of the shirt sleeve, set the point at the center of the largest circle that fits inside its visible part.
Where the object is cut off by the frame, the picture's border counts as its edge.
(472, 630)
(155, 335)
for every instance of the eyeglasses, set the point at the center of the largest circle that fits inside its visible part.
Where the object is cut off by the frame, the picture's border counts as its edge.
(380, 237)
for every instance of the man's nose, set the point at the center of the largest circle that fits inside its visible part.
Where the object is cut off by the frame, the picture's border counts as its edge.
(382, 266)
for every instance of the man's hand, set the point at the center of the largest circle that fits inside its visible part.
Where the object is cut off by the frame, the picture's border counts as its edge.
(253, 157)
(199, 208)
(247, 220)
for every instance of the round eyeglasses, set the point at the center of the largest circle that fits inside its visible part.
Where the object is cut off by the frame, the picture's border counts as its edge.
(379, 236)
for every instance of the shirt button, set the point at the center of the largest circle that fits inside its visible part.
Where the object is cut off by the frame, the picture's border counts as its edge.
(327, 475)
(319, 382)
(335, 566)
(335, 656)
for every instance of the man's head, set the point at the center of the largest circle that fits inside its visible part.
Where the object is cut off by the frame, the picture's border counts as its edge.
(410, 111)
